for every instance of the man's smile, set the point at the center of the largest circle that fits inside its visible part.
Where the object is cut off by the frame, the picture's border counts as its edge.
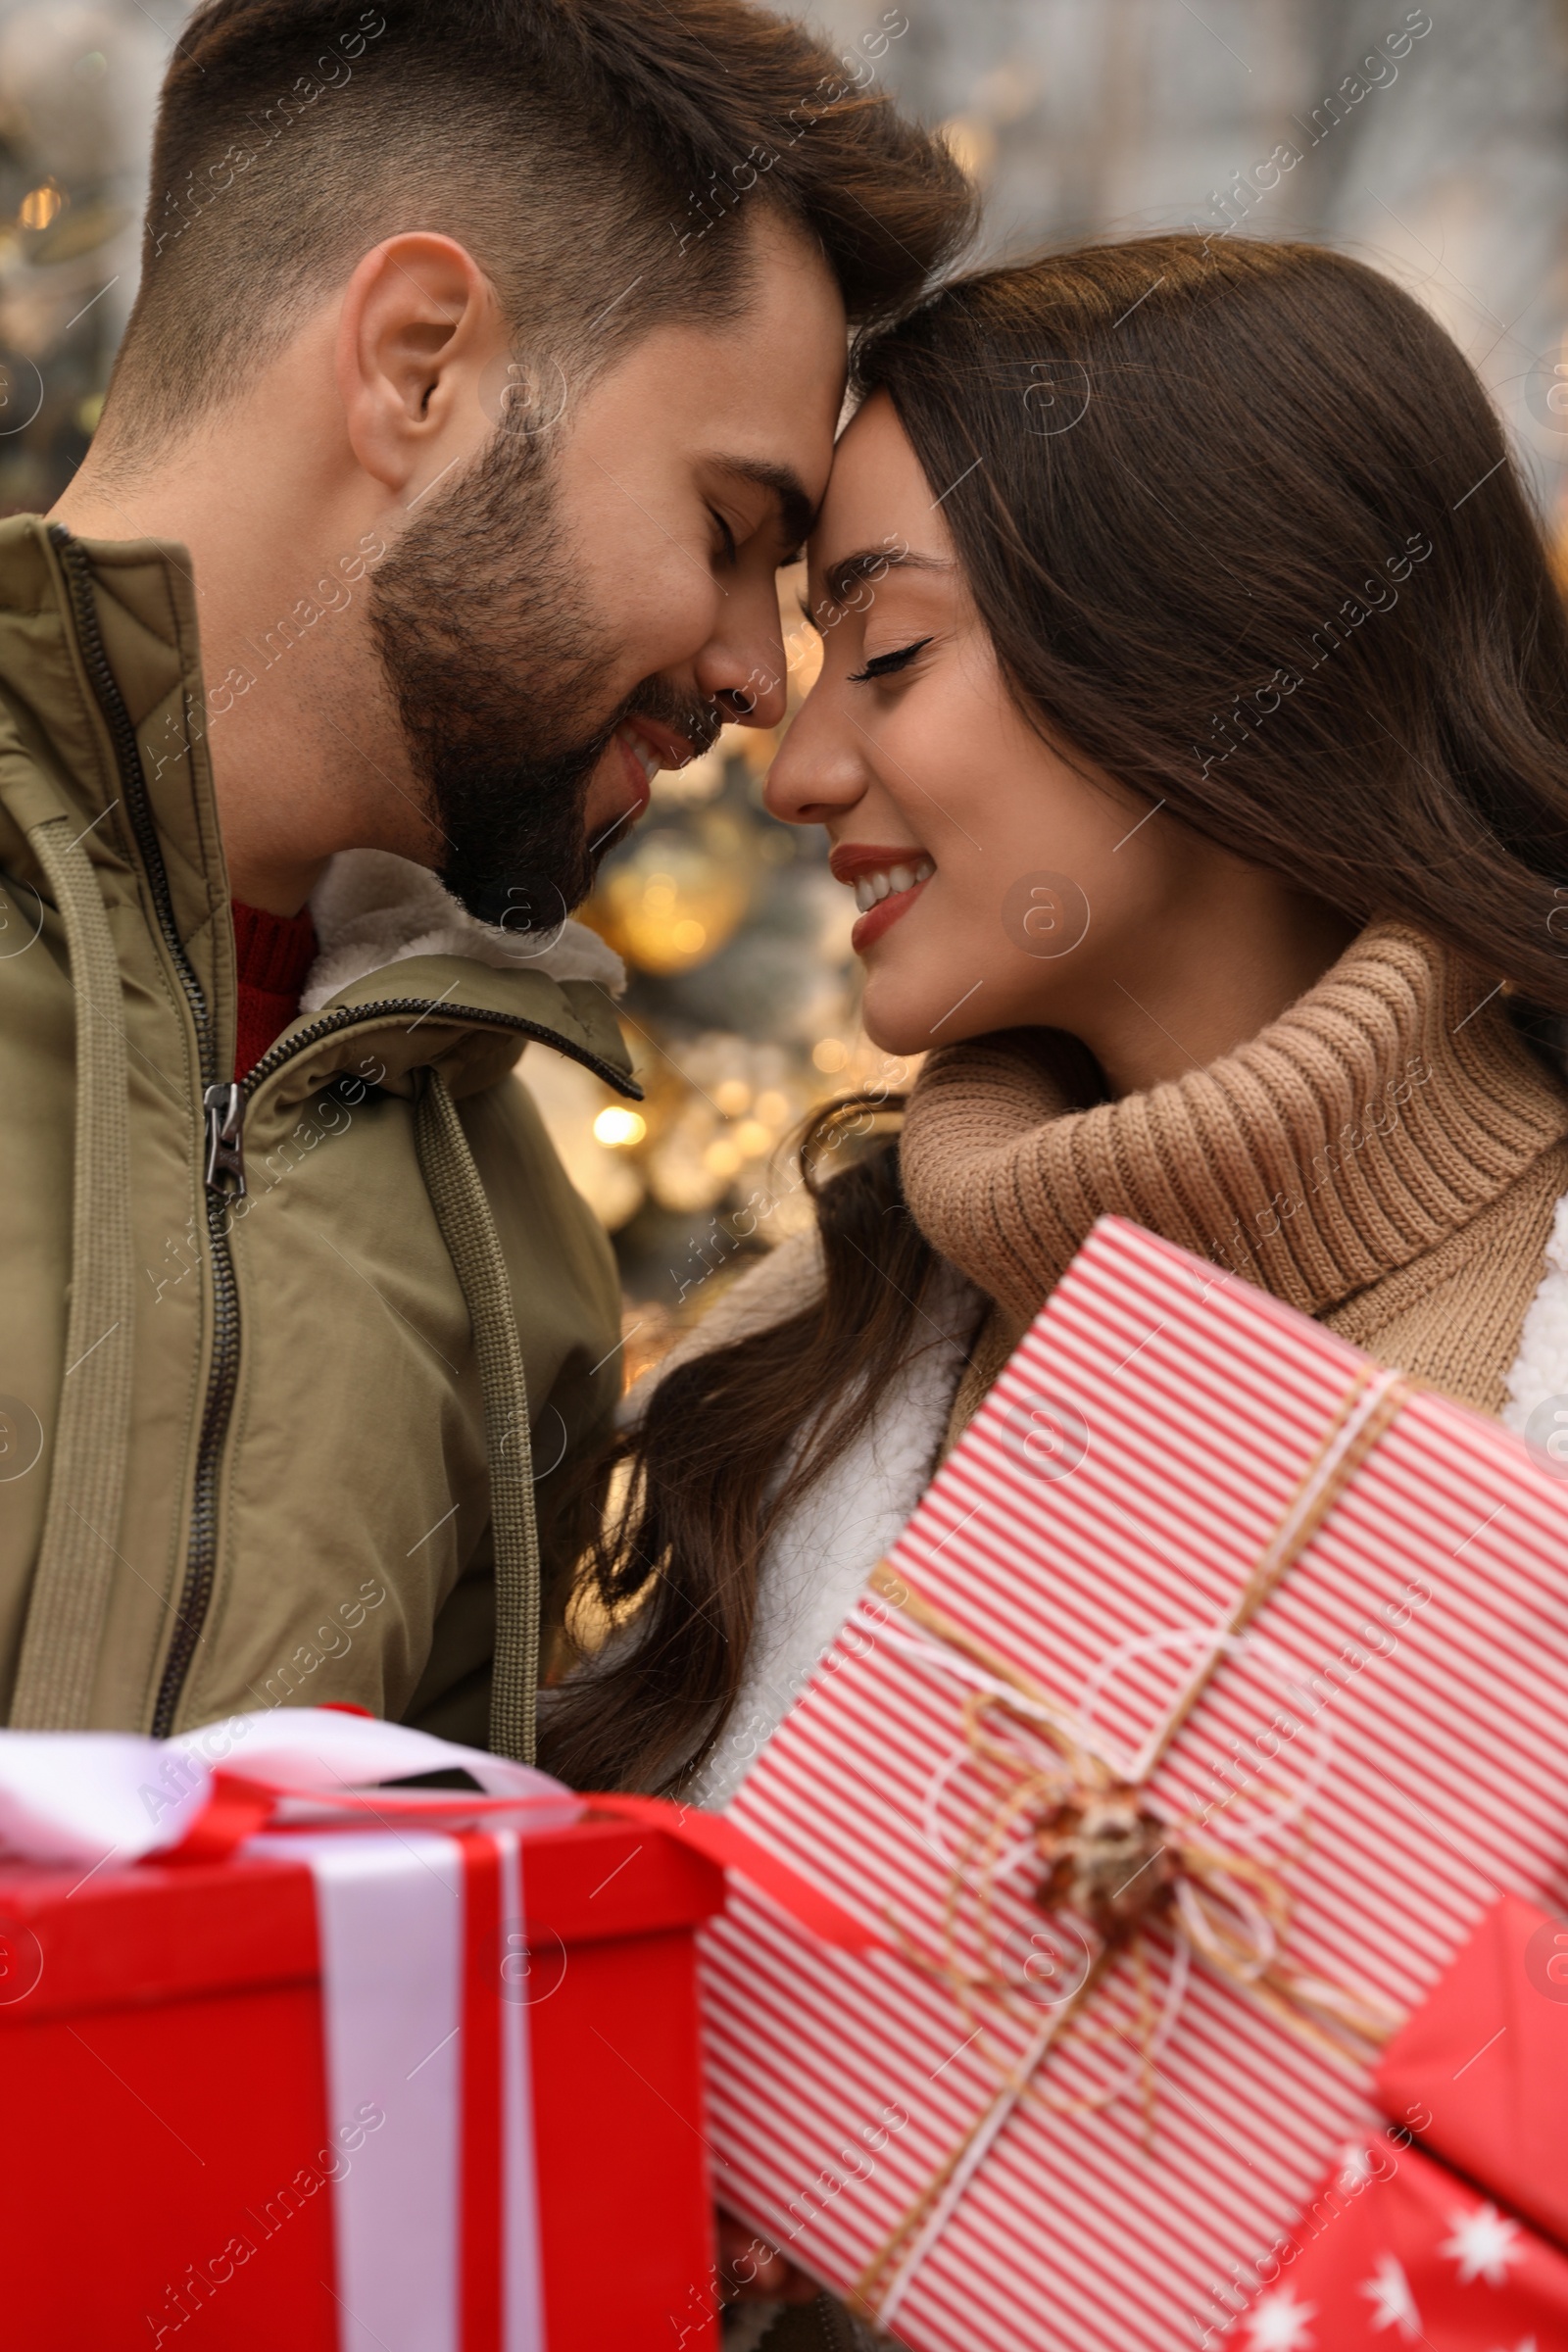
(641, 747)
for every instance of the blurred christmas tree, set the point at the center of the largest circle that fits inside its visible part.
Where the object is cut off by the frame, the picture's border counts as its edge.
(77, 87)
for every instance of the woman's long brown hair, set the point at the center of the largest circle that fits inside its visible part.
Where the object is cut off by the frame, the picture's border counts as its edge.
(1245, 533)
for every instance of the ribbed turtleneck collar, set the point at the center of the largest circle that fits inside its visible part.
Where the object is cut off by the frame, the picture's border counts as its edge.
(1379, 1114)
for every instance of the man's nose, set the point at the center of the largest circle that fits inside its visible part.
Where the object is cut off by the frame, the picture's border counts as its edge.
(750, 704)
(745, 674)
(756, 698)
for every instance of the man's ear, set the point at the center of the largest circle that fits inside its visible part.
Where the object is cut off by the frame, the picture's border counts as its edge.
(418, 321)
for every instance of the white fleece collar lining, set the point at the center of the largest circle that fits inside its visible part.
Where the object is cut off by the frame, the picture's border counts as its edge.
(1540, 1368)
(371, 910)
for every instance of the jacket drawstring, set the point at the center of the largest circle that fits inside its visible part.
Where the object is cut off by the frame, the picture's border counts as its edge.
(76, 1558)
(468, 1228)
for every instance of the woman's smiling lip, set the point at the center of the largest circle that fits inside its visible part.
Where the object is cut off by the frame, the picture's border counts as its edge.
(886, 911)
(852, 862)
(853, 858)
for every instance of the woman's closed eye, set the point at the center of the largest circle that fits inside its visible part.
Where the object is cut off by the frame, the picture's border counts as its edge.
(885, 665)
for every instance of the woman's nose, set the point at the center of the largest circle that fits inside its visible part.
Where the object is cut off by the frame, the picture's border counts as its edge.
(821, 769)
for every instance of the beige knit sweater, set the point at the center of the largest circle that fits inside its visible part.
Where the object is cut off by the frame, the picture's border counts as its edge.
(1387, 1155)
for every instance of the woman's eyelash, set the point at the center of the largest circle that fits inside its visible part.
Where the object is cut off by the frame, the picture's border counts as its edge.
(883, 665)
(726, 535)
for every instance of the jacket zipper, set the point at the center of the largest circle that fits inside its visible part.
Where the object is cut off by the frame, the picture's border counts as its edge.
(326, 1024)
(201, 1549)
(224, 1106)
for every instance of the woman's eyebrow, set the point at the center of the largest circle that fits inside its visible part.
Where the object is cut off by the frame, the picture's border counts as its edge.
(870, 564)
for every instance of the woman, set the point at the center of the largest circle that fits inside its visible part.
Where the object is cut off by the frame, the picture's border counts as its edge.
(1193, 727)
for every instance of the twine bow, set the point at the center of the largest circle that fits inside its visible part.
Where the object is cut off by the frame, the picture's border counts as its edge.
(1111, 1857)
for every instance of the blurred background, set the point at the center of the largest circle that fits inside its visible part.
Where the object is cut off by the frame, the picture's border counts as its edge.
(1080, 119)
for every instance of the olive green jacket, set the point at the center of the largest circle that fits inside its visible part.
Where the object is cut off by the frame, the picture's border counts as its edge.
(272, 1447)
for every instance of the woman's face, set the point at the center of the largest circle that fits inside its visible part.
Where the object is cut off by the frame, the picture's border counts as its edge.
(1002, 882)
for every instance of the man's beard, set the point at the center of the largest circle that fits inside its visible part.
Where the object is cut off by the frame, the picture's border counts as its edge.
(495, 658)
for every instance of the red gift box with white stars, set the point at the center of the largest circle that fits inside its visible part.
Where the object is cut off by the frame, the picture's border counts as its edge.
(1451, 2230)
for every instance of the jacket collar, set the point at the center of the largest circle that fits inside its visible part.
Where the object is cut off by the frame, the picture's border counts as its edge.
(468, 1019)
(56, 738)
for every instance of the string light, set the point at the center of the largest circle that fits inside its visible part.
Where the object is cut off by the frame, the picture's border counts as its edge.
(42, 205)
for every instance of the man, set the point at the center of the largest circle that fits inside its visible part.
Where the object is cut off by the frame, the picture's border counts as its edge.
(485, 365)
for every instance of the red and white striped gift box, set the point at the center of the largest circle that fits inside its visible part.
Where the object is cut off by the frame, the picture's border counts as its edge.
(1389, 1741)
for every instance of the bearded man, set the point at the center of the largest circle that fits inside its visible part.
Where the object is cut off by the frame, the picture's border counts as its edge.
(485, 365)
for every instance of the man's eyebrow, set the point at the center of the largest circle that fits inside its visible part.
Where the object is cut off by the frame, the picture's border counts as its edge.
(870, 564)
(783, 484)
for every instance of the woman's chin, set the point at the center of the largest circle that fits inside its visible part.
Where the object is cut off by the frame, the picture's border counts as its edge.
(895, 1022)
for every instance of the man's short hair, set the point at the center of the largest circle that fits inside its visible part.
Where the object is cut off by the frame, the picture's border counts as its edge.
(597, 156)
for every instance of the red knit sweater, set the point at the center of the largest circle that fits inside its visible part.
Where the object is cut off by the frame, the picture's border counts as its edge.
(275, 953)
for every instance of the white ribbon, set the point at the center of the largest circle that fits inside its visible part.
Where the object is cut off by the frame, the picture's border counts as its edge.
(391, 1916)
(86, 1798)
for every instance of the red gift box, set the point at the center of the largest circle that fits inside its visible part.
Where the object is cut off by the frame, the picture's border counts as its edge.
(1409, 2254)
(176, 2168)
(425, 2079)
(1210, 1697)
(1397, 2241)
(1479, 2071)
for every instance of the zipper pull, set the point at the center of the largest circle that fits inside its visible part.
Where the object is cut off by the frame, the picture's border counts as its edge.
(225, 1107)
